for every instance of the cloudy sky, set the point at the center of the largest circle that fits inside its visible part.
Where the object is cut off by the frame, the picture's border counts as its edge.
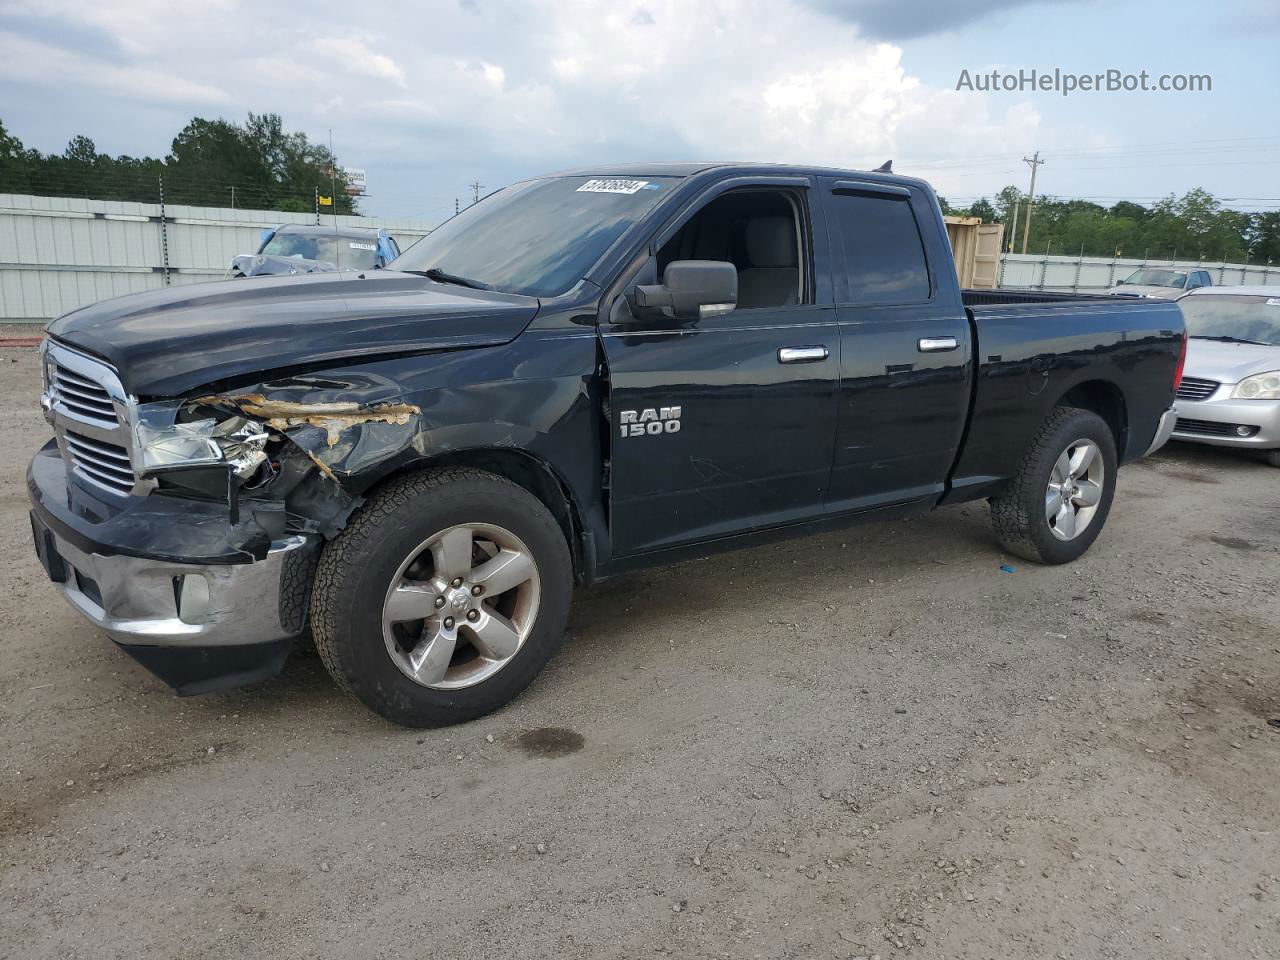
(430, 96)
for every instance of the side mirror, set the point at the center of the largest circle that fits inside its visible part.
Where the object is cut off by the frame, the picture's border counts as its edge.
(690, 290)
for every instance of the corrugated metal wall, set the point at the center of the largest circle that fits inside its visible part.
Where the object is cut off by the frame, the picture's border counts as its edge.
(1096, 274)
(60, 253)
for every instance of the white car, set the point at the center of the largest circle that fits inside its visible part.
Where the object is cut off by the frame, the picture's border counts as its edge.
(1230, 390)
(1162, 283)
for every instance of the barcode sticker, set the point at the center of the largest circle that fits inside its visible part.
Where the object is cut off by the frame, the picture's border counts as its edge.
(613, 186)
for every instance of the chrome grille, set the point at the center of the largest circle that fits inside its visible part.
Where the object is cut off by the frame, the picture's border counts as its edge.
(92, 418)
(1193, 388)
(106, 464)
(82, 396)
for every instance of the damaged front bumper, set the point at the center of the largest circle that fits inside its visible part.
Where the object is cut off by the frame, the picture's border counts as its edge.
(202, 602)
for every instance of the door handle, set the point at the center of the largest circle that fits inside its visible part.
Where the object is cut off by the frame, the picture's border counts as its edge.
(936, 344)
(802, 354)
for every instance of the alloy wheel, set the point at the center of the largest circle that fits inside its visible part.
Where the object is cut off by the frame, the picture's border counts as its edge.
(1075, 489)
(461, 606)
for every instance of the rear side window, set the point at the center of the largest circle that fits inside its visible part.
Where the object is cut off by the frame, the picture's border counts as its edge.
(883, 253)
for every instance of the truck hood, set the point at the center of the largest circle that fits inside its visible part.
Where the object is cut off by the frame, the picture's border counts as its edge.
(1142, 290)
(1229, 362)
(165, 343)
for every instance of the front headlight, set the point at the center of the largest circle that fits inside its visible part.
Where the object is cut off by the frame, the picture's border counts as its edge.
(1261, 386)
(162, 444)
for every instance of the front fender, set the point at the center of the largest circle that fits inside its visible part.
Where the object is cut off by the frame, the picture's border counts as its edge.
(353, 427)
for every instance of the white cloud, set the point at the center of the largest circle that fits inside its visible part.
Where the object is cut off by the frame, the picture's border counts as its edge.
(353, 55)
(504, 91)
(22, 59)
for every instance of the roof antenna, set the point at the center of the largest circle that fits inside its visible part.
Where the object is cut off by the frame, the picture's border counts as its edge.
(886, 167)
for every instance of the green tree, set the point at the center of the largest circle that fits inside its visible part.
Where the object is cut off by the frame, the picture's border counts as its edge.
(1005, 201)
(983, 209)
(210, 162)
(13, 164)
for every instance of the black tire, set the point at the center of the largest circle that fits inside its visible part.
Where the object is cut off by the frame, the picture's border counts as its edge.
(1018, 514)
(1273, 457)
(356, 569)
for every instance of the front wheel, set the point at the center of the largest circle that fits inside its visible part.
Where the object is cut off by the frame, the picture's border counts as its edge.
(1273, 457)
(443, 597)
(1057, 502)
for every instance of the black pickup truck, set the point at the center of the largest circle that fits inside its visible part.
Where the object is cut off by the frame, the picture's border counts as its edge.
(578, 376)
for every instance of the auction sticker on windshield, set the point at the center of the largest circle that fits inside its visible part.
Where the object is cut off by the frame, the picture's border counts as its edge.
(613, 186)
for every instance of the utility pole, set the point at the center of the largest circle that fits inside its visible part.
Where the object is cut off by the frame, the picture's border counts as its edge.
(1033, 162)
(1013, 230)
(455, 206)
(475, 191)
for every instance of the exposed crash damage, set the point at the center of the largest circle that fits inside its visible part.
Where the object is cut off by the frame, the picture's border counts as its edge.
(292, 441)
(332, 417)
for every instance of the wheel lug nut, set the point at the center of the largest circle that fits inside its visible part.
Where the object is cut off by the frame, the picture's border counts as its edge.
(457, 581)
(448, 623)
(439, 602)
(473, 615)
(477, 590)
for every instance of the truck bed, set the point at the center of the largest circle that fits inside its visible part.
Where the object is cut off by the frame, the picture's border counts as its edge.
(1033, 347)
(995, 298)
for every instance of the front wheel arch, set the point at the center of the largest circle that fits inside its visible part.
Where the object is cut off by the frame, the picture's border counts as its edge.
(523, 469)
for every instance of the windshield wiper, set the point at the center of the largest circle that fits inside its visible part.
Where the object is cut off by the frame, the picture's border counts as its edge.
(1226, 339)
(441, 276)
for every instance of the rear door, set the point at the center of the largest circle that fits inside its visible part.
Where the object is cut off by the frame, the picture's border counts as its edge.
(725, 424)
(904, 346)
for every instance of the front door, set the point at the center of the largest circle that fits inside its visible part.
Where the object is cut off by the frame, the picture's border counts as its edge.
(726, 424)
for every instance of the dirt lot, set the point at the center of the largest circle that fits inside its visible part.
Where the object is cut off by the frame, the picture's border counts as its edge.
(873, 742)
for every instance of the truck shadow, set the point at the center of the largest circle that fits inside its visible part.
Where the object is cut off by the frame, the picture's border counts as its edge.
(616, 616)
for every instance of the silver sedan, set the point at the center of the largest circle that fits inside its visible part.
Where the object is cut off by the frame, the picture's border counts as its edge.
(1230, 390)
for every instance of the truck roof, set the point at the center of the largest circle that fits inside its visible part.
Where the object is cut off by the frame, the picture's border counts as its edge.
(689, 169)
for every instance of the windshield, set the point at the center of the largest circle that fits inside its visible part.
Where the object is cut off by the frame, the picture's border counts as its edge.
(537, 238)
(346, 253)
(1158, 278)
(1244, 318)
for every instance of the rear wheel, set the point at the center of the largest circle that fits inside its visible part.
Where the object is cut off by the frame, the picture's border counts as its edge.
(1056, 504)
(443, 598)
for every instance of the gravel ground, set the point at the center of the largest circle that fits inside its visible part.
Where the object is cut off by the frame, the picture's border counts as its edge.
(868, 743)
